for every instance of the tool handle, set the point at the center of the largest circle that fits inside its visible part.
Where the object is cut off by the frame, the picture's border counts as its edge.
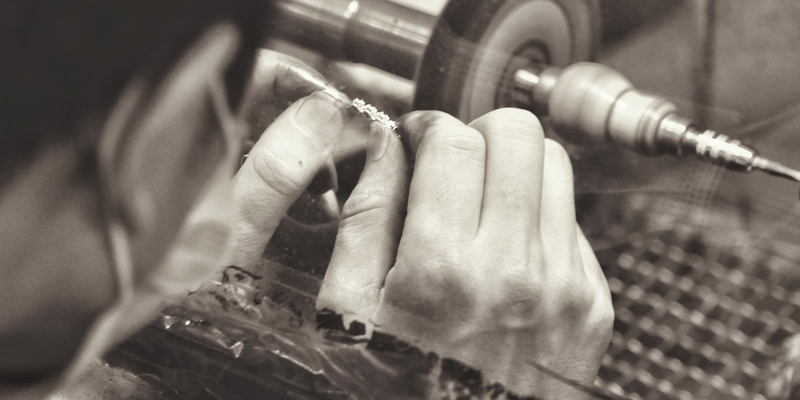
(593, 103)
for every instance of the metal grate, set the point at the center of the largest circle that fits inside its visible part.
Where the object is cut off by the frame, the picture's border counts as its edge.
(699, 315)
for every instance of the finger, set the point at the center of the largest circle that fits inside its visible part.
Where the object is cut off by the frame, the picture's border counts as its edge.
(284, 77)
(372, 218)
(514, 162)
(278, 169)
(558, 226)
(278, 81)
(447, 185)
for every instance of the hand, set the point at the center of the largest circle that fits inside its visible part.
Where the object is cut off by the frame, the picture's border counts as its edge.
(298, 141)
(492, 268)
(283, 162)
(288, 154)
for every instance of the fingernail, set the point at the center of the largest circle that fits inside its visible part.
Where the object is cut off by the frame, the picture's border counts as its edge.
(322, 116)
(378, 141)
(331, 203)
(337, 94)
(331, 164)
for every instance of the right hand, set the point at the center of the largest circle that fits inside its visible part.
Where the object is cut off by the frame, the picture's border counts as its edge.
(491, 269)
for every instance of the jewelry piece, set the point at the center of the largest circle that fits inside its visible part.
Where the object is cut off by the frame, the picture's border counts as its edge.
(373, 114)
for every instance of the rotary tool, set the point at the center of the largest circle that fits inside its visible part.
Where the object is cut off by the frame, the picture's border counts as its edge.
(588, 102)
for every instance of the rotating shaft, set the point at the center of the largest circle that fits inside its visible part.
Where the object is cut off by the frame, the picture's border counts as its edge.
(378, 33)
(592, 103)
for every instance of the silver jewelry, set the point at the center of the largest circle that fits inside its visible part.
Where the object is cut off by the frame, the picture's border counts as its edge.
(373, 114)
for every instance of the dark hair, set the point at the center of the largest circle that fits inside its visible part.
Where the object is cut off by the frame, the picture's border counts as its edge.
(61, 61)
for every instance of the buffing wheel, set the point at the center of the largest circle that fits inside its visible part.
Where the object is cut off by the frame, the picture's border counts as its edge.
(477, 43)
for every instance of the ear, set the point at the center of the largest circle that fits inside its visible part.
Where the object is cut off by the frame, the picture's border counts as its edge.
(158, 151)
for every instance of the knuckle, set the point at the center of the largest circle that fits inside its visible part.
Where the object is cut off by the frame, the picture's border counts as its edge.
(281, 175)
(591, 307)
(458, 140)
(576, 298)
(599, 322)
(520, 289)
(520, 302)
(440, 130)
(415, 126)
(516, 115)
(449, 262)
(421, 122)
(516, 123)
(603, 316)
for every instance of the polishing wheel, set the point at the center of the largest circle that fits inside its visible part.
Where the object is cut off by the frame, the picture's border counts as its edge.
(479, 45)
(464, 61)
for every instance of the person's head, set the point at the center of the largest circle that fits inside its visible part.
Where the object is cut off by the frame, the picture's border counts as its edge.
(110, 113)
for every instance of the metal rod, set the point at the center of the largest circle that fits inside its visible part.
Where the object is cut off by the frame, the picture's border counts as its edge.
(705, 20)
(379, 33)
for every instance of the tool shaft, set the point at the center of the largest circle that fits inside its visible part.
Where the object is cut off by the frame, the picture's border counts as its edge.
(379, 33)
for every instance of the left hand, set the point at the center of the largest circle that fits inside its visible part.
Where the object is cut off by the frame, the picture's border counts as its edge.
(286, 157)
(235, 218)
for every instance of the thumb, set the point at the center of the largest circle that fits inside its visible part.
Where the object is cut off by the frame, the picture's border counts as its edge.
(279, 168)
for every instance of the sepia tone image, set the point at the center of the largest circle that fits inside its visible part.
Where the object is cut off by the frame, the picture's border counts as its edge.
(399, 199)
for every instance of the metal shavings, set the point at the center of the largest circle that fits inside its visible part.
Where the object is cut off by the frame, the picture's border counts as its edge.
(373, 114)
